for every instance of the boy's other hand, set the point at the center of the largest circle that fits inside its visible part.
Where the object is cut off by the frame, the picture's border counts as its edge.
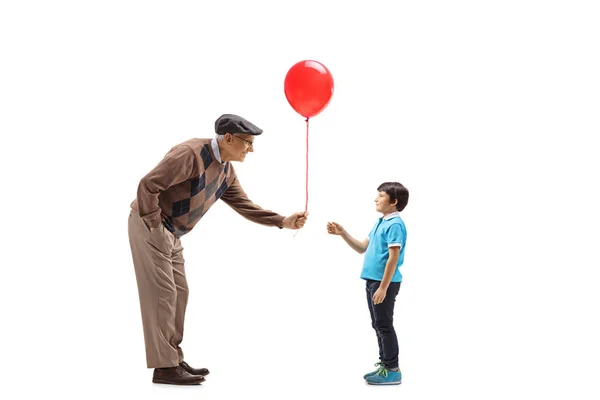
(334, 228)
(379, 296)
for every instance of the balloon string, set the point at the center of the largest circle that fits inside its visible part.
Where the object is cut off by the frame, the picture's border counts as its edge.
(306, 204)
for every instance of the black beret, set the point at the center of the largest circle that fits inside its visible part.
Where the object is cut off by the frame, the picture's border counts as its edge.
(231, 123)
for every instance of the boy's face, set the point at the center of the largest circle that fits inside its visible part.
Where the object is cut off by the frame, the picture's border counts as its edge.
(383, 204)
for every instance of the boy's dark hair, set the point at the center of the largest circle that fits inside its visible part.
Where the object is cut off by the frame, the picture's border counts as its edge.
(396, 192)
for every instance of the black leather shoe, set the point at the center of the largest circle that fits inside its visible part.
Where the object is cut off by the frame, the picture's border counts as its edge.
(194, 371)
(176, 376)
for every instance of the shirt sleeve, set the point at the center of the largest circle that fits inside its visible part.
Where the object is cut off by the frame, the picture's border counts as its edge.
(395, 236)
(177, 166)
(236, 198)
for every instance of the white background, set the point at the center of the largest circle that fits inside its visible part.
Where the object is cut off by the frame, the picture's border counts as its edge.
(486, 111)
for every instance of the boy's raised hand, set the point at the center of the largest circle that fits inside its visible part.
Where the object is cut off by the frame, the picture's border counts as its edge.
(334, 228)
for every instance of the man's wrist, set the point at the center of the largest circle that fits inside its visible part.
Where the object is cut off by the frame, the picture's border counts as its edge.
(280, 224)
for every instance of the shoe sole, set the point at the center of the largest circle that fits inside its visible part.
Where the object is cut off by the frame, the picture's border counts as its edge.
(385, 383)
(177, 383)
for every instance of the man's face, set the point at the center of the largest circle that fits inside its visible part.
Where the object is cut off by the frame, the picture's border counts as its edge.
(241, 144)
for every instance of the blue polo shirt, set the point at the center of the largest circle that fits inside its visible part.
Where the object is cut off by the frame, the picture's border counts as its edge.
(389, 231)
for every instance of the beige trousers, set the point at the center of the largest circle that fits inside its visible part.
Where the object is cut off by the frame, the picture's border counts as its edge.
(162, 288)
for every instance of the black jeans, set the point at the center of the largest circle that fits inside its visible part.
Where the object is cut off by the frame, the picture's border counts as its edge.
(382, 318)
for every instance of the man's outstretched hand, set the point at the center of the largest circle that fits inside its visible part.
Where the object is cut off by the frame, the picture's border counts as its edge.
(295, 221)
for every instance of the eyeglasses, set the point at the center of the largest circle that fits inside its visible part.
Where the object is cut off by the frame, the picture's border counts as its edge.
(250, 143)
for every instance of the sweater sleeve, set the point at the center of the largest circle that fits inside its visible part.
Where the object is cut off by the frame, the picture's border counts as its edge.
(176, 167)
(236, 198)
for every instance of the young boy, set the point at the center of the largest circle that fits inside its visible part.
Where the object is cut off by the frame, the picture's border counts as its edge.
(381, 270)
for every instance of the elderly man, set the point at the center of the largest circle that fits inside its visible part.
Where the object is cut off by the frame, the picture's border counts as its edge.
(170, 201)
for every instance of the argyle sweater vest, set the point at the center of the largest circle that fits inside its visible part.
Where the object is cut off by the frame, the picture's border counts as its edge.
(186, 183)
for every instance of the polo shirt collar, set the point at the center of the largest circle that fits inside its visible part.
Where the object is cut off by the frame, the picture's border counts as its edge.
(392, 215)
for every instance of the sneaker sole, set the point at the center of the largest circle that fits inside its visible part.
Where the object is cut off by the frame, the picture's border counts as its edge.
(384, 383)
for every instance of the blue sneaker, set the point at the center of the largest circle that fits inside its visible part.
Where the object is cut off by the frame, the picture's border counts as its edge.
(378, 365)
(385, 377)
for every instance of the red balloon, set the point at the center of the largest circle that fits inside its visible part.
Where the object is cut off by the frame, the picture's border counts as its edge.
(308, 87)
